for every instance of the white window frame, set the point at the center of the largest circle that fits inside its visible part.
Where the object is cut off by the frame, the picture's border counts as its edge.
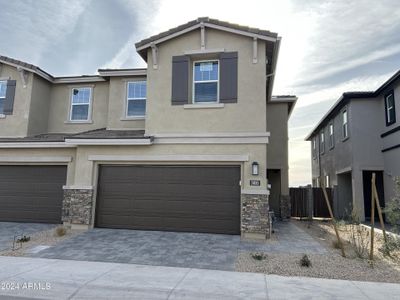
(327, 181)
(345, 125)
(389, 121)
(204, 81)
(314, 147)
(5, 82)
(322, 141)
(133, 99)
(331, 136)
(89, 116)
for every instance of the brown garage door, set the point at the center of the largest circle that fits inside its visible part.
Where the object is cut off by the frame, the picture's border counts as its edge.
(31, 193)
(171, 198)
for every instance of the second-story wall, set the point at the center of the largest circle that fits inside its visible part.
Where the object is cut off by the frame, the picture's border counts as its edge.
(247, 115)
(39, 106)
(117, 118)
(60, 105)
(16, 124)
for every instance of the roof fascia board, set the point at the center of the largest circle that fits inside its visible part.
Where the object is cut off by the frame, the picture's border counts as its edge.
(78, 79)
(38, 72)
(123, 73)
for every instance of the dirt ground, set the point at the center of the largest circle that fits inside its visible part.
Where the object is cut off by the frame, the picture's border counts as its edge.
(330, 265)
(42, 238)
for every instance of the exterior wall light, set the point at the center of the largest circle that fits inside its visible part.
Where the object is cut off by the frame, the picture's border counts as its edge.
(254, 168)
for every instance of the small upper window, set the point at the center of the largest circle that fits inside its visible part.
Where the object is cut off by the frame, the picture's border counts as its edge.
(314, 147)
(345, 125)
(331, 136)
(205, 81)
(3, 88)
(390, 109)
(327, 181)
(322, 142)
(136, 99)
(80, 104)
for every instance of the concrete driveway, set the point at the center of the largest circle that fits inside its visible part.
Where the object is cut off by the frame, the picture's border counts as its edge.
(60, 279)
(10, 229)
(175, 249)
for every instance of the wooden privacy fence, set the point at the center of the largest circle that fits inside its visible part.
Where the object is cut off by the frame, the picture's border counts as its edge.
(310, 202)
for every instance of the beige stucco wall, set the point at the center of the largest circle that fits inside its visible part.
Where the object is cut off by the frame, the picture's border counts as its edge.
(117, 105)
(16, 125)
(248, 115)
(85, 173)
(42, 153)
(39, 106)
(60, 108)
(277, 156)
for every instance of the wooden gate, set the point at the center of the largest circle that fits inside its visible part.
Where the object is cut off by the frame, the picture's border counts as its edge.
(309, 201)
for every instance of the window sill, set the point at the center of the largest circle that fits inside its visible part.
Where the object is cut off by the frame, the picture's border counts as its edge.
(79, 122)
(201, 105)
(345, 139)
(133, 118)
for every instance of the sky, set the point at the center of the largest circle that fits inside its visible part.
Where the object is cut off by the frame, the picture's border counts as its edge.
(328, 47)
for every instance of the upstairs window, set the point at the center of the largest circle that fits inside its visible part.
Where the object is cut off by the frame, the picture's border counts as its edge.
(390, 109)
(331, 136)
(322, 142)
(345, 127)
(327, 181)
(314, 147)
(205, 81)
(3, 88)
(136, 99)
(81, 104)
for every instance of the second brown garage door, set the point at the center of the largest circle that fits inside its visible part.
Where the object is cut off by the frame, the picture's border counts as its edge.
(171, 198)
(31, 193)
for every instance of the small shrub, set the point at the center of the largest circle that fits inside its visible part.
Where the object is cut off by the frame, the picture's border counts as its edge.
(61, 231)
(392, 244)
(24, 239)
(305, 261)
(259, 256)
(335, 244)
(359, 237)
(392, 209)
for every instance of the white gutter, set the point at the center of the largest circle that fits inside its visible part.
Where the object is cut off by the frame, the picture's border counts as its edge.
(105, 142)
(123, 73)
(36, 145)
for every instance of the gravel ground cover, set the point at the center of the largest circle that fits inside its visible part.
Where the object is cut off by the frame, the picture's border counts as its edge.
(44, 239)
(330, 265)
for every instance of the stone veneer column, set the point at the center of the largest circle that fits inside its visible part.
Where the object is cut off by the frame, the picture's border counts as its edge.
(77, 206)
(285, 207)
(255, 218)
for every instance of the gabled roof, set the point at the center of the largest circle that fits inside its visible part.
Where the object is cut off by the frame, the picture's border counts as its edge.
(346, 97)
(72, 79)
(206, 22)
(28, 67)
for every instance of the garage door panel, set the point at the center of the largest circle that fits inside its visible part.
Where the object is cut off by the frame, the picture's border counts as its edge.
(31, 193)
(176, 198)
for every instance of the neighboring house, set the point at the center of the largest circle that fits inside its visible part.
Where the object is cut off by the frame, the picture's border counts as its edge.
(184, 145)
(359, 135)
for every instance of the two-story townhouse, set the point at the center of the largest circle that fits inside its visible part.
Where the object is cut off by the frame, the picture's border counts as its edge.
(183, 145)
(358, 136)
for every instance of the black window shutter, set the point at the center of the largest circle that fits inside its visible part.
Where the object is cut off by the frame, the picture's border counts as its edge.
(9, 101)
(228, 81)
(180, 80)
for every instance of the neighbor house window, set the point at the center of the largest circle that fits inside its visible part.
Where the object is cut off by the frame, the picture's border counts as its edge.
(331, 136)
(390, 109)
(81, 104)
(327, 181)
(314, 147)
(136, 99)
(345, 125)
(322, 142)
(3, 87)
(205, 81)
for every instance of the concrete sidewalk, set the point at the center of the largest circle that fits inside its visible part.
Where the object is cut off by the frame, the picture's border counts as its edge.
(22, 278)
